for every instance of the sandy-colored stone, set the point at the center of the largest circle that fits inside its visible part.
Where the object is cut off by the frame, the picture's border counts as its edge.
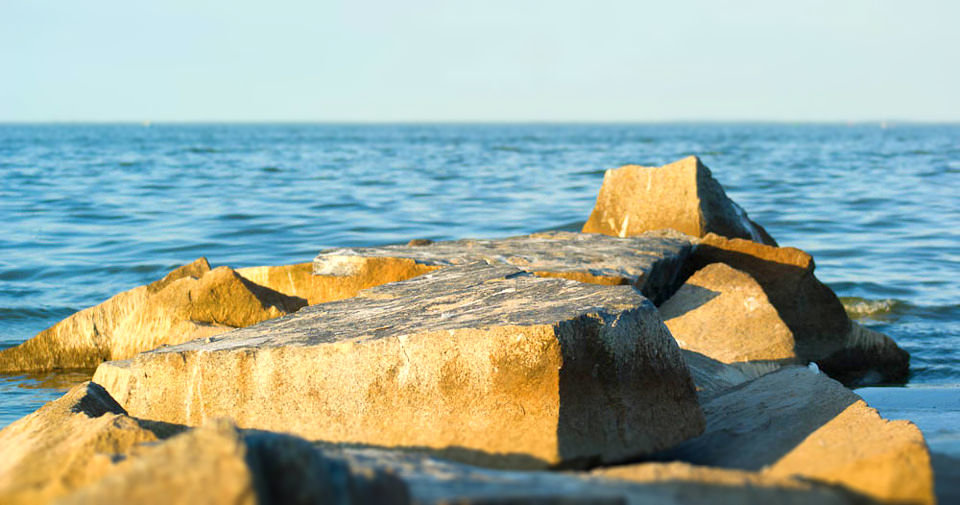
(436, 481)
(723, 313)
(218, 464)
(821, 328)
(682, 196)
(799, 423)
(651, 262)
(480, 362)
(191, 302)
(66, 444)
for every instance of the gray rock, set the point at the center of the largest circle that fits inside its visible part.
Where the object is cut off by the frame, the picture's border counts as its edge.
(650, 261)
(483, 363)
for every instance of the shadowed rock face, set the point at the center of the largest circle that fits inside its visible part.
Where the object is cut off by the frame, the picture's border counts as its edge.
(436, 481)
(217, 463)
(724, 314)
(796, 422)
(480, 362)
(821, 328)
(682, 196)
(192, 301)
(650, 262)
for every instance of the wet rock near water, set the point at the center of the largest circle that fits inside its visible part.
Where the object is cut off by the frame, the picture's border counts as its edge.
(681, 196)
(482, 363)
(651, 261)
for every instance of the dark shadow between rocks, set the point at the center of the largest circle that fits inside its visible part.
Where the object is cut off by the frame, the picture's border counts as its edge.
(696, 297)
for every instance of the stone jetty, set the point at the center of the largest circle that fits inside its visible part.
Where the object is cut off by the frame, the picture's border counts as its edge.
(479, 362)
(671, 353)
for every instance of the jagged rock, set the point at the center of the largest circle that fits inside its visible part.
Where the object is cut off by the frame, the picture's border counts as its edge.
(682, 196)
(483, 363)
(218, 464)
(67, 443)
(651, 262)
(436, 481)
(723, 313)
(798, 423)
(192, 301)
(821, 328)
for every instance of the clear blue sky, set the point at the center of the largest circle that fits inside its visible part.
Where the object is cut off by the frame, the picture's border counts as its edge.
(418, 60)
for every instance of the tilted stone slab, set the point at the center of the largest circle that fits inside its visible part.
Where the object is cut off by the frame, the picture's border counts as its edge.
(795, 422)
(651, 261)
(483, 363)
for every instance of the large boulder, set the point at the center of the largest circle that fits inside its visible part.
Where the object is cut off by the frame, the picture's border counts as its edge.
(821, 329)
(192, 301)
(66, 444)
(483, 363)
(651, 262)
(723, 313)
(682, 196)
(219, 464)
(798, 423)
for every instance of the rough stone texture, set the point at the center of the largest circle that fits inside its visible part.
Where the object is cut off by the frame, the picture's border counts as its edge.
(435, 481)
(723, 313)
(821, 329)
(484, 363)
(192, 301)
(650, 262)
(796, 422)
(298, 280)
(65, 444)
(218, 464)
(711, 377)
(682, 196)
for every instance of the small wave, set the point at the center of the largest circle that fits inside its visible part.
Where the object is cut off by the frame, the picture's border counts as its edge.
(860, 308)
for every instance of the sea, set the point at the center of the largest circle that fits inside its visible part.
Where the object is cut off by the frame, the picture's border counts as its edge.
(89, 210)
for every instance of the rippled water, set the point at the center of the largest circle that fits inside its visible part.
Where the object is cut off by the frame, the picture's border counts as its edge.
(89, 211)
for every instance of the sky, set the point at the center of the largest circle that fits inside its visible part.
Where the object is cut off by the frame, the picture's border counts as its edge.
(486, 61)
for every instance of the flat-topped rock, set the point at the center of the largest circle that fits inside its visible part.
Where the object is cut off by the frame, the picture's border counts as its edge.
(484, 363)
(795, 422)
(651, 261)
(682, 196)
(192, 301)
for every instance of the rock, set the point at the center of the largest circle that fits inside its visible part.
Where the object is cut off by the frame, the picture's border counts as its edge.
(484, 363)
(191, 302)
(712, 377)
(682, 196)
(798, 423)
(821, 328)
(650, 262)
(67, 443)
(723, 313)
(218, 463)
(294, 280)
(436, 481)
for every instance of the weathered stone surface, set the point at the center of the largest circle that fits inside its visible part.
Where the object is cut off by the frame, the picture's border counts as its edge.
(435, 481)
(651, 262)
(481, 362)
(682, 196)
(192, 301)
(711, 377)
(66, 444)
(723, 313)
(813, 313)
(297, 280)
(219, 464)
(796, 422)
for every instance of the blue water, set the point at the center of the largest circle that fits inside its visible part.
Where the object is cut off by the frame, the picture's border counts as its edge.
(88, 211)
